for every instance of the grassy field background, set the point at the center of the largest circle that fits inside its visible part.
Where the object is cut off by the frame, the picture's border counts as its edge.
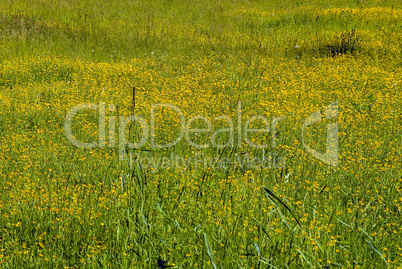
(68, 207)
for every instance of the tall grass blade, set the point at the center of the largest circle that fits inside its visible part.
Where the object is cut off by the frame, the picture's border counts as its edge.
(304, 257)
(209, 252)
(280, 201)
(378, 252)
(257, 248)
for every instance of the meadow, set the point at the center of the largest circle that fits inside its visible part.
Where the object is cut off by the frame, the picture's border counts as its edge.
(213, 199)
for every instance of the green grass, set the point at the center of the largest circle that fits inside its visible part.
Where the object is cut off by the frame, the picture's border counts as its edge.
(63, 206)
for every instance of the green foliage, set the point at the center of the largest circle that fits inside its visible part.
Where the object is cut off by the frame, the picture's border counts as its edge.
(68, 207)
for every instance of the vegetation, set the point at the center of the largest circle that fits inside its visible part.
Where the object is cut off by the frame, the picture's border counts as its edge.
(184, 206)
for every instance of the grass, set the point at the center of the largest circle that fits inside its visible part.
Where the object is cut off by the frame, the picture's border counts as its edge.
(183, 206)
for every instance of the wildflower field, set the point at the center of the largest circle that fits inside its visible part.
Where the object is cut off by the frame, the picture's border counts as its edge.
(201, 134)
